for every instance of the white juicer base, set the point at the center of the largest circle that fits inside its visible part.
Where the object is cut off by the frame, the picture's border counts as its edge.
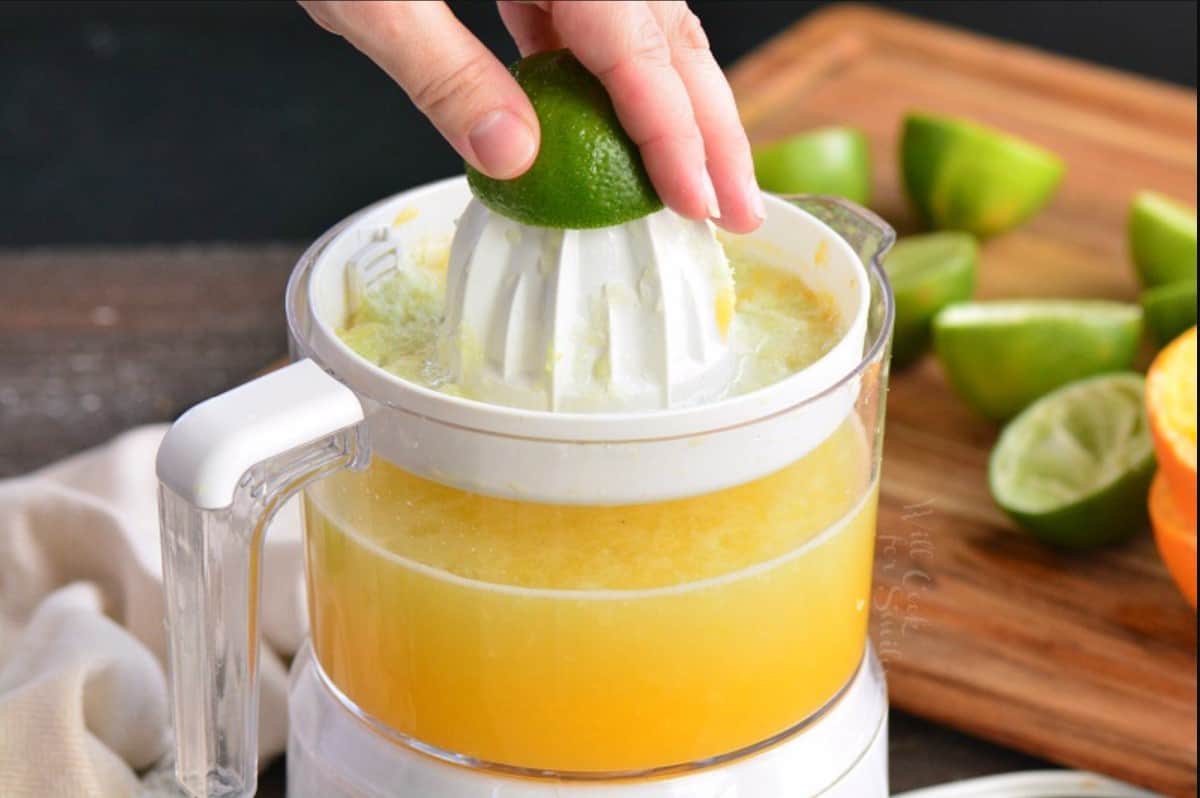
(334, 754)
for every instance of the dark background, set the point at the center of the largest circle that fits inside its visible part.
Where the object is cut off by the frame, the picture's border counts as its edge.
(126, 122)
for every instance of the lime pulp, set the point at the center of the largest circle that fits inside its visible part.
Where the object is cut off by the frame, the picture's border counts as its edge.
(1074, 468)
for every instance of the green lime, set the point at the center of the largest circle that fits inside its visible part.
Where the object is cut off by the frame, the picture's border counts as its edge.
(588, 172)
(1075, 467)
(830, 161)
(1170, 309)
(963, 176)
(1001, 356)
(927, 273)
(1162, 238)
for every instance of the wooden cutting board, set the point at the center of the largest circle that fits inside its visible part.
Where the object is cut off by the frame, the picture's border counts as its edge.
(1085, 660)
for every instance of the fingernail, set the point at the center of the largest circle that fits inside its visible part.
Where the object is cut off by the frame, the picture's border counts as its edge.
(710, 195)
(757, 206)
(503, 144)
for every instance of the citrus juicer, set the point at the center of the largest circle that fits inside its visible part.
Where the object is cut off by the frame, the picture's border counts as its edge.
(539, 588)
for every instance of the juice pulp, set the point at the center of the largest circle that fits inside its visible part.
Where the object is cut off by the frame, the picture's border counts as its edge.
(780, 326)
(599, 638)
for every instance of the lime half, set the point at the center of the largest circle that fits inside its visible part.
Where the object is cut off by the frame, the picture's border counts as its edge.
(927, 273)
(1162, 238)
(1170, 309)
(963, 176)
(1001, 356)
(834, 161)
(1074, 468)
(588, 172)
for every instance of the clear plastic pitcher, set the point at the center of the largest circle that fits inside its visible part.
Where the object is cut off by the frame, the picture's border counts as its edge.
(573, 596)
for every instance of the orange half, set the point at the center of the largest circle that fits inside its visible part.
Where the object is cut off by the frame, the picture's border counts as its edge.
(1176, 539)
(1171, 406)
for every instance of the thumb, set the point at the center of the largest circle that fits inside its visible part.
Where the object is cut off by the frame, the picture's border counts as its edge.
(465, 91)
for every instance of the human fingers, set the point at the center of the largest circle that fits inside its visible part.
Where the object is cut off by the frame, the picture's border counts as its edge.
(451, 77)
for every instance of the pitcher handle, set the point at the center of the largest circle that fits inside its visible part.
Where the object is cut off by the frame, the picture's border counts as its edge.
(224, 468)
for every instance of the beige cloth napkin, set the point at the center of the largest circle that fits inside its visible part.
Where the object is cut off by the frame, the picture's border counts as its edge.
(83, 701)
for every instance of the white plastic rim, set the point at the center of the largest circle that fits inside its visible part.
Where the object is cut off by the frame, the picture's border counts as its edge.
(1035, 784)
(584, 458)
(334, 754)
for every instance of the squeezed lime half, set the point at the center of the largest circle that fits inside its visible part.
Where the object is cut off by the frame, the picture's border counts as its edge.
(1074, 468)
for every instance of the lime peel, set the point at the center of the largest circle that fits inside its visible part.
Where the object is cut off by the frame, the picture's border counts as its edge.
(588, 172)
(927, 273)
(834, 160)
(1170, 310)
(1162, 239)
(1001, 356)
(961, 175)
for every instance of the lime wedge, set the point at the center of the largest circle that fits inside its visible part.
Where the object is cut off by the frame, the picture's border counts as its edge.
(1001, 356)
(1162, 238)
(829, 161)
(1075, 467)
(964, 176)
(927, 273)
(1170, 309)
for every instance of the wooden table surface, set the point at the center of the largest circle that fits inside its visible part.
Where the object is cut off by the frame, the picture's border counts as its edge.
(94, 341)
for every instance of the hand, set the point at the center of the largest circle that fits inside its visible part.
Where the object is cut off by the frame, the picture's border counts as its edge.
(653, 58)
